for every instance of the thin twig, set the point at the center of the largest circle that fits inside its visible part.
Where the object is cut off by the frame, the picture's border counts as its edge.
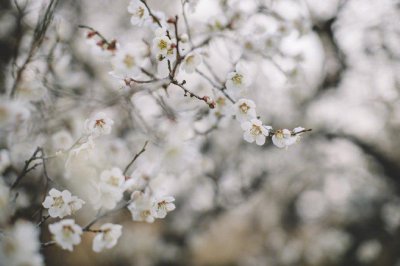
(155, 19)
(186, 23)
(27, 169)
(135, 157)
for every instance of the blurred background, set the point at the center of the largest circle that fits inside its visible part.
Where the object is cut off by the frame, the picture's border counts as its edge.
(333, 66)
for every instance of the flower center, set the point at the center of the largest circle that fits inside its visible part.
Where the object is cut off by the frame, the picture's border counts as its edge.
(129, 61)
(244, 108)
(190, 59)
(255, 130)
(237, 79)
(220, 101)
(279, 134)
(68, 231)
(114, 181)
(162, 44)
(58, 202)
(100, 123)
(140, 12)
(145, 214)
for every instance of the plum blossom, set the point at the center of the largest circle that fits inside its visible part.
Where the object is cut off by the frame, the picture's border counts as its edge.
(161, 206)
(57, 203)
(20, 245)
(191, 62)
(162, 45)
(139, 12)
(66, 233)
(107, 238)
(245, 110)
(110, 189)
(140, 177)
(254, 130)
(60, 204)
(283, 138)
(237, 81)
(127, 61)
(99, 124)
(140, 207)
(62, 140)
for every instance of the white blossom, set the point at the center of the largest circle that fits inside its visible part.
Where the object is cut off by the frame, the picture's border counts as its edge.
(57, 203)
(140, 177)
(245, 110)
(62, 140)
(60, 204)
(162, 45)
(191, 62)
(99, 124)
(110, 189)
(140, 207)
(66, 233)
(20, 246)
(283, 138)
(127, 61)
(139, 12)
(254, 130)
(161, 206)
(107, 238)
(237, 80)
(75, 204)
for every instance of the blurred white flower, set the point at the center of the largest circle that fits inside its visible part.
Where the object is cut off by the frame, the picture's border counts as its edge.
(245, 110)
(113, 178)
(191, 62)
(217, 22)
(62, 140)
(140, 207)
(161, 206)
(192, 5)
(255, 131)
(140, 177)
(75, 204)
(391, 215)
(99, 124)
(237, 80)
(13, 112)
(110, 189)
(127, 61)
(30, 88)
(4, 160)
(20, 245)
(107, 238)
(369, 251)
(139, 12)
(66, 233)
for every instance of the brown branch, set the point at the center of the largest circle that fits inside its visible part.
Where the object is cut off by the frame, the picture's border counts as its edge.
(135, 157)
(27, 169)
